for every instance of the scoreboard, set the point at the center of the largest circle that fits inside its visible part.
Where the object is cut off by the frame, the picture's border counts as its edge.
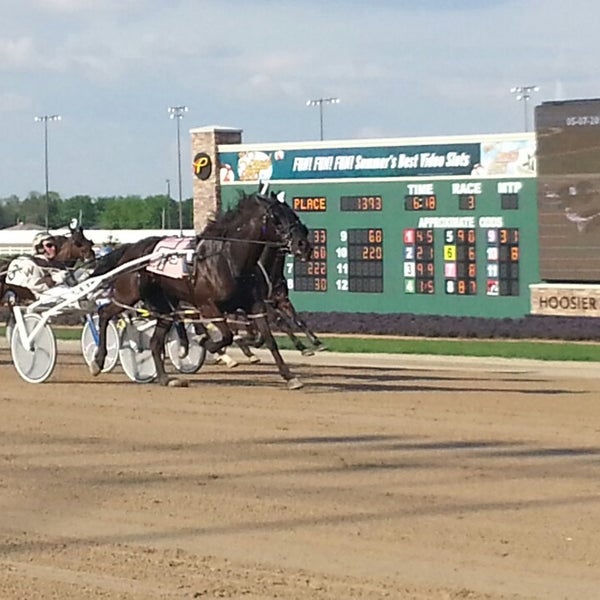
(457, 244)
(568, 142)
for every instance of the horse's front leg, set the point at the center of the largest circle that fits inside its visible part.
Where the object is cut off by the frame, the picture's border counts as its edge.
(286, 307)
(217, 326)
(105, 314)
(184, 342)
(262, 324)
(281, 320)
(157, 346)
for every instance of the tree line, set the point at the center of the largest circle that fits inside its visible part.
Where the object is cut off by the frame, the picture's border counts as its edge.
(116, 212)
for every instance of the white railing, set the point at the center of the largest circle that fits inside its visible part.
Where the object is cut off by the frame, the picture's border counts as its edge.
(20, 241)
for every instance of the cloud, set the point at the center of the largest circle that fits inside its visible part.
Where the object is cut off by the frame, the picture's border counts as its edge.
(17, 54)
(11, 102)
(400, 67)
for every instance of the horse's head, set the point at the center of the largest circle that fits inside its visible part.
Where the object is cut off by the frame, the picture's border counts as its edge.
(287, 228)
(76, 246)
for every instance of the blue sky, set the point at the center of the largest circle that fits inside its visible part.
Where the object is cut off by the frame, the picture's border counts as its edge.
(111, 68)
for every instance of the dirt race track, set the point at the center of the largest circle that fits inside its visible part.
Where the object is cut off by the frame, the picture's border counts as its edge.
(422, 479)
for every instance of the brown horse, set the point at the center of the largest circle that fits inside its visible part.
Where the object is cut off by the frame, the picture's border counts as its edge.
(272, 285)
(222, 274)
(282, 311)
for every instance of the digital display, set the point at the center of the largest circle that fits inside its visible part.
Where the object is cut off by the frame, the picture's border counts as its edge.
(467, 202)
(420, 202)
(568, 155)
(419, 261)
(361, 203)
(311, 275)
(365, 260)
(309, 203)
(503, 262)
(509, 201)
(460, 261)
(428, 227)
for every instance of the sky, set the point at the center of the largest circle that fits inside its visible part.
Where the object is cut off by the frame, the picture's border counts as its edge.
(111, 69)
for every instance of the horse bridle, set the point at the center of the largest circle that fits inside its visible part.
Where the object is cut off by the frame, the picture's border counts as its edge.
(284, 231)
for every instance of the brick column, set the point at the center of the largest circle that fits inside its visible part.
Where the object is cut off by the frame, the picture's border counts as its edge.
(205, 169)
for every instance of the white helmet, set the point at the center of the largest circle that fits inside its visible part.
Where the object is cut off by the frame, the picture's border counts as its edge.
(39, 238)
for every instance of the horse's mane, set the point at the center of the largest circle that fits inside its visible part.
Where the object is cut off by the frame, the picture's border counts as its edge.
(111, 260)
(231, 218)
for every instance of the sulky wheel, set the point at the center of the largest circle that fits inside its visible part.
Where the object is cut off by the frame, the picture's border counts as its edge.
(134, 353)
(194, 359)
(36, 361)
(89, 342)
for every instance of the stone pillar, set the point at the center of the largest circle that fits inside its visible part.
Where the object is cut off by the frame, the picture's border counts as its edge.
(205, 169)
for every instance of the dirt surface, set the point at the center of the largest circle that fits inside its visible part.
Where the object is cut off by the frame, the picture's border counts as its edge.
(419, 479)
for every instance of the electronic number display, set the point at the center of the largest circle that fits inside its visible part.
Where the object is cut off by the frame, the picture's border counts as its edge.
(453, 247)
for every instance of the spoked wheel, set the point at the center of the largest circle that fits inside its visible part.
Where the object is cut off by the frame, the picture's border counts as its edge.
(134, 353)
(194, 359)
(89, 343)
(34, 363)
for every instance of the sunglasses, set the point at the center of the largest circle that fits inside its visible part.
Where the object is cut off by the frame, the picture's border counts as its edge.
(48, 245)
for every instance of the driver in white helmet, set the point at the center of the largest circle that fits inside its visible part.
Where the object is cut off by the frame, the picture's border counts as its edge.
(44, 251)
(44, 246)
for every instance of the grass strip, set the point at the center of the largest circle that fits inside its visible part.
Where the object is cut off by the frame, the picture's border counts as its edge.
(535, 350)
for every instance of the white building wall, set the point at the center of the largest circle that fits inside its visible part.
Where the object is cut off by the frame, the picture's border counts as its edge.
(14, 242)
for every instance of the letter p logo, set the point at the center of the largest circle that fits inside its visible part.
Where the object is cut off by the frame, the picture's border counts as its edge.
(202, 166)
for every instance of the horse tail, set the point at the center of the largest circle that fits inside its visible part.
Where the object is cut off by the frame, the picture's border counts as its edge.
(110, 261)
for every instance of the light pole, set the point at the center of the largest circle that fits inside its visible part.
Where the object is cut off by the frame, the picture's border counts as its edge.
(44, 119)
(523, 93)
(176, 112)
(166, 211)
(319, 102)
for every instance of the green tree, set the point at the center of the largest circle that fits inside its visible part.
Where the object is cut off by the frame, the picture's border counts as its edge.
(9, 211)
(33, 209)
(79, 207)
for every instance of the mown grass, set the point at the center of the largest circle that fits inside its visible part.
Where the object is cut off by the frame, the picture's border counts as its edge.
(537, 350)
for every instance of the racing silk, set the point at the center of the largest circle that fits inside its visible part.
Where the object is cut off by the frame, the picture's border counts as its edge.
(24, 272)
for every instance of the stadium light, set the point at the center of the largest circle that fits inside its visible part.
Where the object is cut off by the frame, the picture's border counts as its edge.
(177, 112)
(319, 102)
(44, 119)
(523, 93)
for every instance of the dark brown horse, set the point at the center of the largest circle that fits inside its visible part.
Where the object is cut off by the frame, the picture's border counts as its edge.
(222, 275)
(282, 311)
(272, 285)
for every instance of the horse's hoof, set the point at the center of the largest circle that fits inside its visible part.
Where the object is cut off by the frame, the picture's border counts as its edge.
(254, 359)
(177, 383)
(95, 368)
(294, 384)
(225, 359)
(307, 352)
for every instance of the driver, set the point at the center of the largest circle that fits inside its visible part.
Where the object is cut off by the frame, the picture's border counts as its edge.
(44, 246)
(44, 251)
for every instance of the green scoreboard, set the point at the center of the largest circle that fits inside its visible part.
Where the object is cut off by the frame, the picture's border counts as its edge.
(440, 226)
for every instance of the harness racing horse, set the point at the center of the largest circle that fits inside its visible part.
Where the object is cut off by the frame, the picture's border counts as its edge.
(281, 309)
(70, 250)
(270, 278)
(222, 274)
